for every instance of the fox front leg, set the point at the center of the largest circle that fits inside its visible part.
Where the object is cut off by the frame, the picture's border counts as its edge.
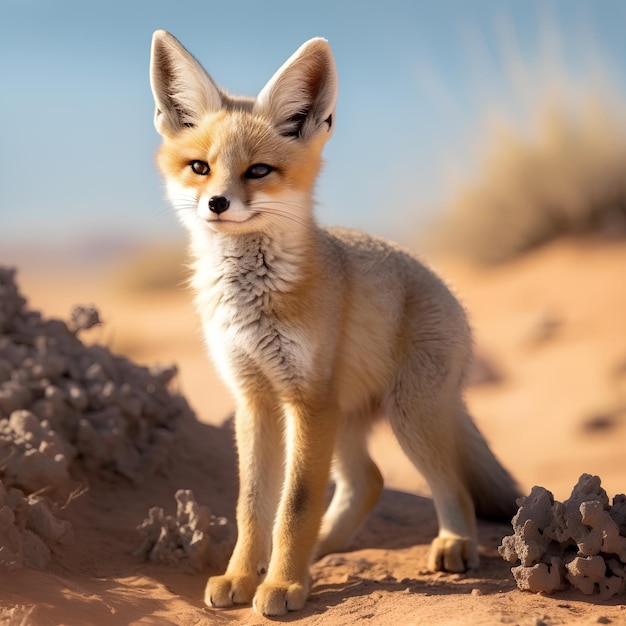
(310, 439)
(259, 444)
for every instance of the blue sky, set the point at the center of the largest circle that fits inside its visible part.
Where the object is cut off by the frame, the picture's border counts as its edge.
(416, 81)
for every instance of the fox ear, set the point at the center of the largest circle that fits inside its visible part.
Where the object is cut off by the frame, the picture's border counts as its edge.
(183, 91)
(300, 98)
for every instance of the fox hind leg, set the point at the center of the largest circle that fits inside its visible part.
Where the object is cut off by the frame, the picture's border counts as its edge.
(427, 432)
(358, 484)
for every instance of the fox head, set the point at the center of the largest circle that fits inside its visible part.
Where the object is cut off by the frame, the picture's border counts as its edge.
(237, 164)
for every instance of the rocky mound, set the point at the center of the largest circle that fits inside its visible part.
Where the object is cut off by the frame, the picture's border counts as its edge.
(62, 401)
(580, 542)
(66, 404)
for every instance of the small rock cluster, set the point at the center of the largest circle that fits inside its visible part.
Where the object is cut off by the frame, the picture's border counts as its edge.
(580, 542)
(61, 400)
(191, 539)
(29, 530)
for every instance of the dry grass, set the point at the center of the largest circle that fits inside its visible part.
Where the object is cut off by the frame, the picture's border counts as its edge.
(567, 177)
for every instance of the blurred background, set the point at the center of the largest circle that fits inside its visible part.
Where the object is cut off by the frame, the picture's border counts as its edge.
(489, 135)
(422, 87)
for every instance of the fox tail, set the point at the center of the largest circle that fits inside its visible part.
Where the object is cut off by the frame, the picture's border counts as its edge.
(492, 488)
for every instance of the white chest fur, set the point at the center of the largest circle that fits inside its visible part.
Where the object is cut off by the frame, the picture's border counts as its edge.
(238, 284)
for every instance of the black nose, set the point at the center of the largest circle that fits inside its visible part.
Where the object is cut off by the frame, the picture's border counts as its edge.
(218, 204)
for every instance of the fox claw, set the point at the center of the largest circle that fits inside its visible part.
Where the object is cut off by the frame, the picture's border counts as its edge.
(273, 599)
(225, 591)
(453, 554)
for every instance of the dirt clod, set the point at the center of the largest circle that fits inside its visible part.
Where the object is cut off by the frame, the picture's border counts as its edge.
(193, 538)
(580, 542)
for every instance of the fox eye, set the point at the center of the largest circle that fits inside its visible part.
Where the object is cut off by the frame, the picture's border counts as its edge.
(258, 170)
(200, 167)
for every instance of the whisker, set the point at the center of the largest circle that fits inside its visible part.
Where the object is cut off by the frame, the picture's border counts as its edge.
(268, 201)
(275, 210)
(289, 226)
(289, 223)
(269, 205)
(282, 215)
(185, 206)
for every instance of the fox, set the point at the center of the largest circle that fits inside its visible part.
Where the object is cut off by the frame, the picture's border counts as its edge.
(317, 332)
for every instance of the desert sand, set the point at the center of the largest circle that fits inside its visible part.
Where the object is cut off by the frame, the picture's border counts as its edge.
(548, 391)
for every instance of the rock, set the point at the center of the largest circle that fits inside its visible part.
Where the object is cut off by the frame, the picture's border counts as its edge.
(193, 539)
(539, 577)
(29, 530)
(581, 541)
(84, 317)
(585, 573)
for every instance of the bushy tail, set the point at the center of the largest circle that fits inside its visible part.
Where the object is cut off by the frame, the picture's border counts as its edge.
(493, 489)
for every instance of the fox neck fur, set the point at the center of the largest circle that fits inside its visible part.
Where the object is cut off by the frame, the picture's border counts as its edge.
(250, 294)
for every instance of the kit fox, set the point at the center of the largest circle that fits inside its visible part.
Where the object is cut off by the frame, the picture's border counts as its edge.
(317, 332)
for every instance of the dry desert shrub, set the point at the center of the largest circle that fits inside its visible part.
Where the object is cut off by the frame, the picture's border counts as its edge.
(566, 176)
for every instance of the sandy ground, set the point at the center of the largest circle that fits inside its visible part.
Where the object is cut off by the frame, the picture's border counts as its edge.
(551, 327)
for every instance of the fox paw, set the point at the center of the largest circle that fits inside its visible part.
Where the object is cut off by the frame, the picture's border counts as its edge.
(453, 554)
(224, 591)
(273, 599)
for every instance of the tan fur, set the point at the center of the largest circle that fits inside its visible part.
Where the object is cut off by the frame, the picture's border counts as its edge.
(317, 332)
